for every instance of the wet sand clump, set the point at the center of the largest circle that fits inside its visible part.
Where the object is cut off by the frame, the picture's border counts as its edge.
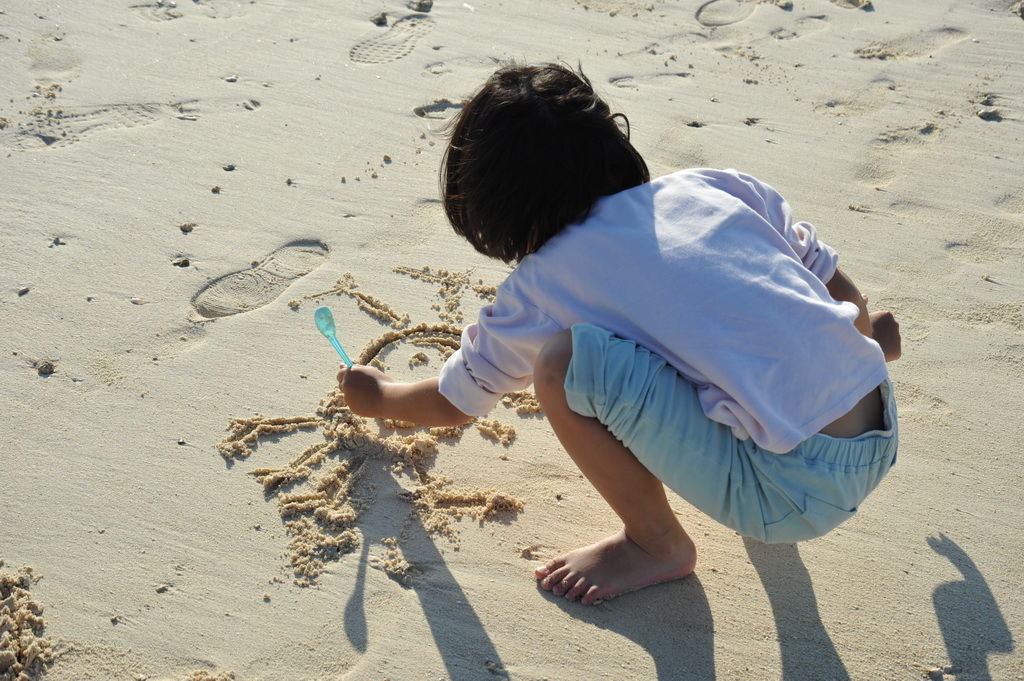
(497, 431)
(487, 292)
(446, 347)
(245, 432)
(439, 504)
(24, 651)
(524, 402)
(447, 432)
(393, 563)
(443, 337)
(451, 286)
(396, 424)
(371, 305)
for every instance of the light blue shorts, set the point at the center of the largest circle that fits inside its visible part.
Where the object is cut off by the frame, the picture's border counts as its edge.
(772, 497)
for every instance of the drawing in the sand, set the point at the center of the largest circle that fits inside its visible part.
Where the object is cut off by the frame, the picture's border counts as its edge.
(322, 491)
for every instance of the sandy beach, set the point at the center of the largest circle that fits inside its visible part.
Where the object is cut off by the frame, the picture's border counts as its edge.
(183, 496)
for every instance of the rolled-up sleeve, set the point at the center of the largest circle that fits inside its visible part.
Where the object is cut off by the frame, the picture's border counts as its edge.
(817, 256)
(497, 354)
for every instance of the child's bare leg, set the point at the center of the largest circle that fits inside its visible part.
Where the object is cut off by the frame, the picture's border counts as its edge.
(652, 547)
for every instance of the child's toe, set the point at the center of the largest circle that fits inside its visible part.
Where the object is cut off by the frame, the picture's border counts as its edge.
(567, 583)
(549, 567)
(554, 578)
(578, 589)
(592, 596)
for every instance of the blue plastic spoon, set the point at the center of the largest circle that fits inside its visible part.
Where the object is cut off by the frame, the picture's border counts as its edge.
(325, 322)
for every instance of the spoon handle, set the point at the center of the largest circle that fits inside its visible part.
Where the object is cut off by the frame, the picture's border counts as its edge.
(341, 353)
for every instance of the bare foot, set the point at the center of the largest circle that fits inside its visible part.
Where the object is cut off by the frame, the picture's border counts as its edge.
(614, 566)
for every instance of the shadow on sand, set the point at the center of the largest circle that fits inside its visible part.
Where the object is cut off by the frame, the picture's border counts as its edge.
(969, 618)
(671, 621)
(807, 650)
(464, 645)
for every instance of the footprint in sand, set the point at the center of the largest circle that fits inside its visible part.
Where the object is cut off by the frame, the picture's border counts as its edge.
(439, 108)
(614, 7)
(677, 146)
(982, 235)
(52, 59)
(249, 289)
(167, 10)
(995, 320)
(723, 12)
(161, 10)
(922, 407)
(482, 64)
(1011, 202)
(394, 43)
(912, 44)
(996, 242)
(635, 82)
(880, 168)
(224, 9)
(803, 27)
(60, 126)
(868, 99)
(854, 4)
(1007, 359)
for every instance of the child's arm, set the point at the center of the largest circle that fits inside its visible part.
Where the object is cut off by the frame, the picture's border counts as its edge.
(880, 326)
(370, 392)
(842, 288)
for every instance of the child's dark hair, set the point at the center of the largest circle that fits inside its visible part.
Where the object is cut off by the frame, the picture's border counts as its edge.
(529, 155)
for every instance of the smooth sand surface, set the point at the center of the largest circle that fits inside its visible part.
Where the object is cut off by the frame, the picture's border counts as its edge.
(172, 176)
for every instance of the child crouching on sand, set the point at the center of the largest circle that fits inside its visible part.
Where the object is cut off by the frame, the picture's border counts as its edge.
(682, 330)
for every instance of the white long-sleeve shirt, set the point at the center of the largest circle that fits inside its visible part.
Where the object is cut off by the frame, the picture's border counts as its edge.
(705, 268)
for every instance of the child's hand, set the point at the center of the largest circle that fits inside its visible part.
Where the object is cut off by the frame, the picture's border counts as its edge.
(364, 389)
(886, 332)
